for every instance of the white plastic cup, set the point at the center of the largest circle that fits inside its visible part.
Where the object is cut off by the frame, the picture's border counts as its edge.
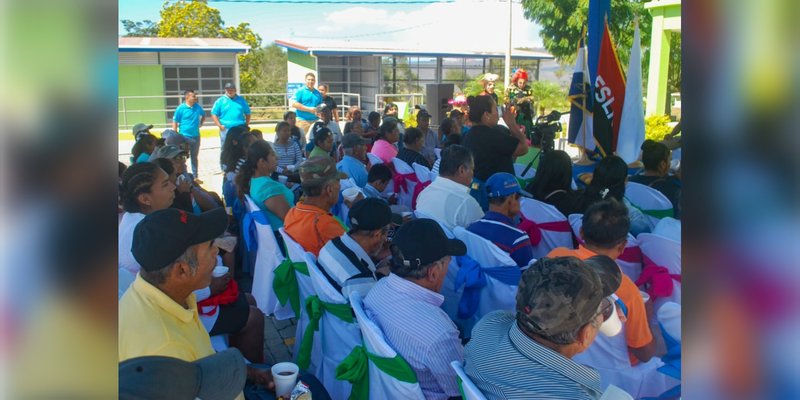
(283, 179)
(612, 326)
(351, 193)
(285, 377)
(645, 296)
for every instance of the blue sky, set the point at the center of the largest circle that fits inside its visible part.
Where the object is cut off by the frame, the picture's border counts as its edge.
(480, 23)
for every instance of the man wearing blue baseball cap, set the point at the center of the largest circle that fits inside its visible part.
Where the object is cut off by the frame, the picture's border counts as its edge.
(498, 225)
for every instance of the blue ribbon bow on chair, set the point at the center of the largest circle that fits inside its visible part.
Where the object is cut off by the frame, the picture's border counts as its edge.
(473, 276)
(249, 228)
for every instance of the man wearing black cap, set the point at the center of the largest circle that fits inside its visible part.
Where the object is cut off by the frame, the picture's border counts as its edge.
(158, 314)
(562, 304)
(406, 305)
(348, 261)
(432, 139)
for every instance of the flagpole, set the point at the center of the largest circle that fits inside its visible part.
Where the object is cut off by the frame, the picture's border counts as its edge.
(507, 69)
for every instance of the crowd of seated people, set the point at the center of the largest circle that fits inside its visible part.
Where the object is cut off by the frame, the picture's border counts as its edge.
(564, 340)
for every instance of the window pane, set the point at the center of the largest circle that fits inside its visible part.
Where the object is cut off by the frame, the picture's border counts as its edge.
(209, 72)
(227, 73)
(211, 85)
(171, 86)
(188, 73)
(170, 72)
(185, 84)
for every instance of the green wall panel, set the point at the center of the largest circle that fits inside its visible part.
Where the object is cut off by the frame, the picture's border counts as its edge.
(141, 80)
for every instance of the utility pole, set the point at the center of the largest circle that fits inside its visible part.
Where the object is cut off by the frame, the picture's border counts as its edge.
(507, 73)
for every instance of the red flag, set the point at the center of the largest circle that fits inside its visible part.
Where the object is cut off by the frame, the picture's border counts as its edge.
(609, 96)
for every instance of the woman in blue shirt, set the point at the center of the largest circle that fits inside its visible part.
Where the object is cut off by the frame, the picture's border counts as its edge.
(273, 197)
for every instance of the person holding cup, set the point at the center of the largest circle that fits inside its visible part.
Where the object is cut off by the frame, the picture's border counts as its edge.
(255, 179)
(290, 155)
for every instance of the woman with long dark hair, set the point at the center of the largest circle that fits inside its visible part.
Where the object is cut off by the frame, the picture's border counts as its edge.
(552, 183)
(254, 178)
(384, 147)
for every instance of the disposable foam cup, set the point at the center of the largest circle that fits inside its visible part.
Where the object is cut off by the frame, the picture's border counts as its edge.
(612, 325)
(283, 178)
(284, 383)
(219, 270)
(350, 193)
(645, 296)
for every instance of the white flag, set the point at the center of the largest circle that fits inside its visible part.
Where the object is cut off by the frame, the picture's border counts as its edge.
(580, 118)
(631, 127)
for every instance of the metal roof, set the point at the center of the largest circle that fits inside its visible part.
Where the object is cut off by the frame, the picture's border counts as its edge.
(166, 44)
(428, 49)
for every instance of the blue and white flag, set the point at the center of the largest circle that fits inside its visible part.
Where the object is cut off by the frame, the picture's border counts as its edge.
(631, 127)
(580, 116)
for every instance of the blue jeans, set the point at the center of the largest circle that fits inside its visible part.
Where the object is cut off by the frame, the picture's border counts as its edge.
(194, 151)
(222, 134)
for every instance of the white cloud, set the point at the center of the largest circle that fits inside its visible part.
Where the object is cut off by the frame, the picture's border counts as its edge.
(464, 23)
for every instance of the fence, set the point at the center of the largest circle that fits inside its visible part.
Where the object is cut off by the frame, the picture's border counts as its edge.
(264, 107)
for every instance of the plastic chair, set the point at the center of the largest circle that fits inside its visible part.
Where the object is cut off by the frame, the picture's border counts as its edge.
(471, 391)
(335, 338)
(652, 203)
(423, 173)
(373, 159)
(525, 179)
(499, 270)
(630, 261)
(297, 254)
(658, 251)
(552, 227)
(405, 181)
(380, 382)
(451, 292)
(268, 257)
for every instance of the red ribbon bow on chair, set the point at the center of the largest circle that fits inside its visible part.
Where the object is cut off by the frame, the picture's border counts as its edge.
(401, 181)
(534, 229)
(657, 279)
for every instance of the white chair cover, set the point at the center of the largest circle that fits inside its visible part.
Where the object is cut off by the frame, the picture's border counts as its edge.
(631, 266)
(451, 293)
(647, 198)
(541, 212)
(666, 253)
(373, 159)
(298, 254)
(337, 338)
(380, 383)
(496, 295)
(471, 391)
(669, 228)
(404, 197)
(268, 257)
(423, 173)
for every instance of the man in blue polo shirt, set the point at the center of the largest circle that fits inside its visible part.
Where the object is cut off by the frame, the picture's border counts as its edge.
(497, 225)
(188, 118)
(229, 111)
(305, 101)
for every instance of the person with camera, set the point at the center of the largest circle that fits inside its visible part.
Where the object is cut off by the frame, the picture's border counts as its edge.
(494, 148)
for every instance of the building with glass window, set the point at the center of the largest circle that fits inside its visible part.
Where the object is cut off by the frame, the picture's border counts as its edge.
(154, 72)
(372, 70)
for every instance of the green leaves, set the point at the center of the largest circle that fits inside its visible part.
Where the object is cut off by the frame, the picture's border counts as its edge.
(190, 19)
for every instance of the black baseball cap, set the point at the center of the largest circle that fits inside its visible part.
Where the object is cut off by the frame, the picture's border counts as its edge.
(371, 214)
(162, 236)
(218, 376)
(422, 241)
(230, 85)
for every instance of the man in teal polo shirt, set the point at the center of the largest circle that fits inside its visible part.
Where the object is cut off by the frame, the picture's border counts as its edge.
(188, 118)
(305, 101)
(229, 111)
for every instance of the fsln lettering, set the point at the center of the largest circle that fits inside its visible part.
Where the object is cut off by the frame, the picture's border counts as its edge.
(604, 96)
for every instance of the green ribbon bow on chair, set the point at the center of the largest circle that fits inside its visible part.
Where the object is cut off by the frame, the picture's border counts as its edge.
(315, 307)
(669, 212)
(285, 283)
(355, 369)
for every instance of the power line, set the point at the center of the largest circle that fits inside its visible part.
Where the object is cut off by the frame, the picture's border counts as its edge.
(363, 2)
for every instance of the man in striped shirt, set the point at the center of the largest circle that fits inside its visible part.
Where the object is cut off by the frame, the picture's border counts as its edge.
(562, 303)
(497, 225)
(347, 261)
(406, 305)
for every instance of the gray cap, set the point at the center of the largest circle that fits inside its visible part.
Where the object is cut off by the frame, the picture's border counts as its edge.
(219, 376)
(559, 295)
(169, 151)
(140, 127)
(351, 140)
(172, 137)
(230, 85)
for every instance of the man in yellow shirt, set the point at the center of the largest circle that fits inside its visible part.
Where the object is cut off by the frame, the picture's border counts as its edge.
(158, 313)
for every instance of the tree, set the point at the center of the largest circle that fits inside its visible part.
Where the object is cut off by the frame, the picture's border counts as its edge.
(549, 95)
(562, 22)
(190, 19)
(144, 28)
(249, 64)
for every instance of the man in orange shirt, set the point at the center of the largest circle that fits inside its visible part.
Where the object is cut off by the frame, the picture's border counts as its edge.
(310, 222)
(605, 230)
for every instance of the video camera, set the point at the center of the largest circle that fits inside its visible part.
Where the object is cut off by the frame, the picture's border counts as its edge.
(543, 134)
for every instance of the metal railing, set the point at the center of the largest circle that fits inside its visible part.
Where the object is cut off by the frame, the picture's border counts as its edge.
(264, 107)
